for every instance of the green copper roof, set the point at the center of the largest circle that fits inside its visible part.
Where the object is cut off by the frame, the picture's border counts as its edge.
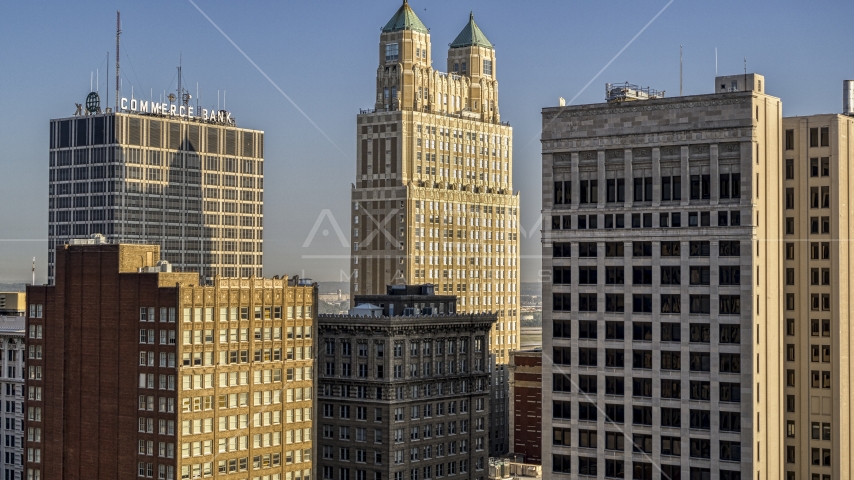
(405, 19)
(471, 36)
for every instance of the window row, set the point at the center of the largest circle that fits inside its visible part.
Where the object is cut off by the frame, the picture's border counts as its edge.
(642, 303)
(449, 346)
(818, 379)
(643, 331)
(818, 457)
(642, 443)
(643, 387)
(729, 186)
(642, 359)
(726, 248)
(644, 220)
(589, 466)
(615, 413)
(670, 275)
(206, 314)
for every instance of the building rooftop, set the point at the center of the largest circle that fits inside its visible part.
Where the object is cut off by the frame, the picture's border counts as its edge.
(471, 36)
(405, 19)
(12, 324)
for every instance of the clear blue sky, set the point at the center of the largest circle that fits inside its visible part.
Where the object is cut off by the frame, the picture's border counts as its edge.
(324, 56)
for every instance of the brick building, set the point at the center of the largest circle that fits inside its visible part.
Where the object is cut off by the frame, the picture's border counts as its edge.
(141, 372)
(526, 404)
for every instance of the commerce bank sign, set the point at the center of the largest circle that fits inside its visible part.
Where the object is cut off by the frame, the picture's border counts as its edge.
(184, 111)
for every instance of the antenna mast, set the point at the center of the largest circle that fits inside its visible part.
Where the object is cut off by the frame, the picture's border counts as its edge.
(118, 34)
(680, 70)
(180, 93)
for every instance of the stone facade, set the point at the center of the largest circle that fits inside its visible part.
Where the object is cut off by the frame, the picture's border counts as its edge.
(433, 198)
(142, 373)
(661, 327)
(817, 154)
(403, 396)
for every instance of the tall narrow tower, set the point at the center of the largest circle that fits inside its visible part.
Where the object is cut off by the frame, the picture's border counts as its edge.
(433, 200)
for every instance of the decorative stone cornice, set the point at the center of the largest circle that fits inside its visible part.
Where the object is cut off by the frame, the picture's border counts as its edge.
(687, 137)
(587, 112)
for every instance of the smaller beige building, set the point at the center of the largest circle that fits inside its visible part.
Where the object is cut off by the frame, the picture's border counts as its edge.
(13, 303)
(818, 260)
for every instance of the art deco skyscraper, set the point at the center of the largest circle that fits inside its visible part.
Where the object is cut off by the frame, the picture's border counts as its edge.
(433, 201)
(192, 185)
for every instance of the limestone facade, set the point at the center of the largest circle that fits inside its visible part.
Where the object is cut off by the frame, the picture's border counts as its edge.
(817, 154)
(661, 332)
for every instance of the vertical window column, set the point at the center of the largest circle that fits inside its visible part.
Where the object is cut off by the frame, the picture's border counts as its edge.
(656, 180)
(576, 186)
(714, 174)
(600, 176)
(686, 176)
(628, 175)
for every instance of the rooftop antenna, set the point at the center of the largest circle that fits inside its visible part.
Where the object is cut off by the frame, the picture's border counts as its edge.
(91, 74)
(118, 34)
(107, 100)
(680, 70)
(34, 271)
(745, 74)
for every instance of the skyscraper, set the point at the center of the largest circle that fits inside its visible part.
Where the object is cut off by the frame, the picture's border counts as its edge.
(433, 201)
(662, 318)
(192, 184)
(817, 155)
(138, 372)
(403, 388)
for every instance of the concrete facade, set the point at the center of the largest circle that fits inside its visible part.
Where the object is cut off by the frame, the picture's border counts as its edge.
(194, 187)
(142, 373)
(661, 327)
(817, 178)
(404, 396)
(433, 196)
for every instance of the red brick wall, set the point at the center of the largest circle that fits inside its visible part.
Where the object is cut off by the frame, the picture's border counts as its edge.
(528, 423)
(91, 365)
(527, 407)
